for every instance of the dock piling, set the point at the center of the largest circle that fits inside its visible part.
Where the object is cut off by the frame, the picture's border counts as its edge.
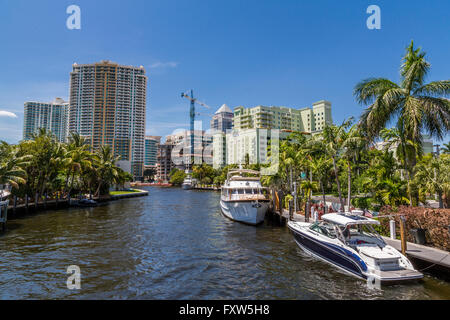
(403, 234)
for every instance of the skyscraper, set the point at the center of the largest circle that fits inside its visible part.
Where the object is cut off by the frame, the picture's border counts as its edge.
(151, 150)
(51, 116)
(222, 120)
(107, 106)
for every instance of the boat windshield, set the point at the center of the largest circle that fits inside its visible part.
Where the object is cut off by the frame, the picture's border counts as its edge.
(360, 234)
(324, 228)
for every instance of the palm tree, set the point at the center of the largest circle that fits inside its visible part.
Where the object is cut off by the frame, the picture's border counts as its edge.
(330, 143)
(308, 187)
(321, 167)
(416, 106)
(77, 158)
(446, 148)
(106, 169)
(393, 192)
(434, 176)
(12, 166)
(353, 144)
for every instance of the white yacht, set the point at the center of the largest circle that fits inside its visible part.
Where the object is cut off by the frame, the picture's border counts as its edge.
(188, 182)
(243, 199)
(349, 242)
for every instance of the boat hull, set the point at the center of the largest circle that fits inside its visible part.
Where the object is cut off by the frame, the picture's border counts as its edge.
(347, 260)
(186, 186)
(248, 212)
(330, 253)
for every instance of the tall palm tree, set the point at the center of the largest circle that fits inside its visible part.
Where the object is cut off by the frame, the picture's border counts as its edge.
(417, 107)
(352, 145)
(106, 169)
(77, 157)
(321, 167)
(330, 143)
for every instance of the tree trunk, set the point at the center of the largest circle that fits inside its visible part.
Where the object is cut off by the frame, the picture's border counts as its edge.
(441, 201)
(338, 183)
(349, 193)
(323, 195)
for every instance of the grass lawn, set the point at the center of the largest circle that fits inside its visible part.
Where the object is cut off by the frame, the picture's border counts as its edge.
(116, 193)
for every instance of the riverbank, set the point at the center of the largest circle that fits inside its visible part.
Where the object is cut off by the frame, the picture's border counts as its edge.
(55, 204)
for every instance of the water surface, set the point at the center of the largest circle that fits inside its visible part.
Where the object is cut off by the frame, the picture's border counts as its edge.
(173, 244)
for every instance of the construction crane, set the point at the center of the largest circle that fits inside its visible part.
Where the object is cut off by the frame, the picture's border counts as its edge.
(192, 114)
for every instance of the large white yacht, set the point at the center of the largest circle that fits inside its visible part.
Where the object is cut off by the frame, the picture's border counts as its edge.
(243, 198)
(188, 182)
(348, 241)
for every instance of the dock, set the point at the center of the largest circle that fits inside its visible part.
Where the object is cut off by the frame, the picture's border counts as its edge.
(423, 257)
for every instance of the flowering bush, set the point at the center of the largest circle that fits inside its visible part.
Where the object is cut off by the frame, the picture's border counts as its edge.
(435, 221)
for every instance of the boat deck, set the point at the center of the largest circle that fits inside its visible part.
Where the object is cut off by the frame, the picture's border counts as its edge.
(424, 253)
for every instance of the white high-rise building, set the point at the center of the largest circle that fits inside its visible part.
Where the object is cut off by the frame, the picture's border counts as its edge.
(51, 116)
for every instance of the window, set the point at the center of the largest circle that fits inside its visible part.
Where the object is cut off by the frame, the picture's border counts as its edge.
(324, 228)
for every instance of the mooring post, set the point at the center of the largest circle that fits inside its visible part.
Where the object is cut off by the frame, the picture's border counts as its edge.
(392, 228)
(295, 196)
(291, 210)
(26, 201)
(403, 234)
(15, 204)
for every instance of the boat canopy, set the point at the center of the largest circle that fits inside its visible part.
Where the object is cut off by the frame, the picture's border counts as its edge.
(348, 219)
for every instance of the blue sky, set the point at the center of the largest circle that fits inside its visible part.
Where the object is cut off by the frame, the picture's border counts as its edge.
(248, 52)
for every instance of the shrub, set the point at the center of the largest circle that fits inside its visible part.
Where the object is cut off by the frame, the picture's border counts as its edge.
(435, 221)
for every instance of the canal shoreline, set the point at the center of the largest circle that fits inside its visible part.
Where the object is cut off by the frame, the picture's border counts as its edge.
(23, 209)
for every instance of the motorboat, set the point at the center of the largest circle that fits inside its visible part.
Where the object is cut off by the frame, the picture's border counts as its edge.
(87, 203)
(188, 183)
(243, 198)
(350, 242)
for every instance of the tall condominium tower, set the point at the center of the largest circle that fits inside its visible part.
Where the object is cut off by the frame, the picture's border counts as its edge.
(222, 120)
(107, 106)
(51, 116)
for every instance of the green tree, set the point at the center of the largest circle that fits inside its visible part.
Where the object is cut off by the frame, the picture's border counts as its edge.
(433, 176)
(415, 106)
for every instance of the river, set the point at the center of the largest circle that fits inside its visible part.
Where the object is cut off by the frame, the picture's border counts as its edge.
(173, 244)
